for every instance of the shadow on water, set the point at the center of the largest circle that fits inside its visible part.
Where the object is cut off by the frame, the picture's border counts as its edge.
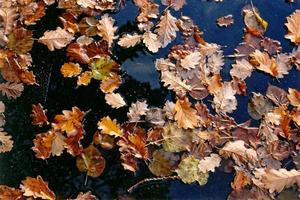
(140, 81)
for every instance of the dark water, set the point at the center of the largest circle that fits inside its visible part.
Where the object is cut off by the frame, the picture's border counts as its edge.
(140, 81)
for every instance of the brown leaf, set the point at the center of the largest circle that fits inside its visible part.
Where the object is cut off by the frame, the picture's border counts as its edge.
(137, 110)
(85, 196)
(8, 16)
(277, 95)
(20, 40)
(106, 29)
(11, 90)
(84, 78)
(241, 69)
(151, 41)
(225, 20)
(224, 99)
(293, 27)
(33, 12)
(38, 115)
(10, 193)
(115, 100)
(110, 83)
(240, 181)
(128, 40)
(294, 97)
(91, 161)
(185, 115)
(271, 46)
(56, 39)
(259, 106)
(175, 83)
(263, 62)
(175, 4)
(6, 143)
(70, 69)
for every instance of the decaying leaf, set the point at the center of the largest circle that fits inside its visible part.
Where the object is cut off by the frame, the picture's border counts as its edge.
(130, 40)
(185, 115)
(137, 110)
(209, 163)
(293, 27)
(11, 90)
(56, 39)
(6, 143)
(225, 20)
(8, 16)
(294, 97)
(10, 193)
(259, 106)
(276, 180)
(70, 69)
(36, 188)
(115, 100)
(91, 161)
(188, 171)
(110, 83)
(224, 99)
(110, 127)
(39, 115)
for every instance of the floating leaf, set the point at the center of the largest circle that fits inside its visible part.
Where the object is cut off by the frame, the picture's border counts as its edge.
(137, 110)
(130, 40)
(110, 127)
(9, 193)
(84, 78)
(70, 69)
(151, 41)
(185, 115)
(224, 99)
(209, 163)
(38, 115)
(175, 4)
(294, 97)
(37, 188)
(6, 143)
(293, 27)
(8, 16)
(225, 20)
(106, 29)
(115, 100)
(91, 161)
(103, 67)
(11, 90)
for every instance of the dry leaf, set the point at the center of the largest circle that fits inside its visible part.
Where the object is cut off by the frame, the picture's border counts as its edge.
(56, 39)
(137, 110)
(166, 28)
(129, 40)
(11, 90)
(175, 4)
(163, 163)
(38, 115)
(277, 95)
(91, 161)
(106, 29)
(239, 152)
(8, 16)
(70, 69)
(85, 196)
(224, 99)
(151, 41)
(110, 83)
(293, 26)
(115, 100)
(241, 69)
(276, 180)
(185, 115)
(225, 20)
(10, 193)
(175, 83)
(191, 60)
(294, 97)
(258, 106)
(110, 127)
(209, 163)
(6, 143)
(84, 78)
(37, 188)
(263, 62)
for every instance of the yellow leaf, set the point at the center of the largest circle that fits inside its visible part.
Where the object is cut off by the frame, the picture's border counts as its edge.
(109, 127)
(70, 69)
(185, 115)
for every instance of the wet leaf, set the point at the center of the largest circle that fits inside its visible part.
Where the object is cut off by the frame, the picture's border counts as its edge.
(103, 67)
(115, 100)
(225, 20)
(106, 29)
(137, 110)
(11, 90)
(70, 69)
(110, 127)
(294, 97)
(39, 115)
(185, 115)
(128, 40)
(10, 193)
(91, 161)
(209, 163)
(175, 4)
(6, 143)
(293, 27)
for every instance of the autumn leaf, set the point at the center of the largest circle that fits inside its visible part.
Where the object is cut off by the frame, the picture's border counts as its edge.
(69, 121)
(49, 143)
(276, 180)
(294, 97)
(175, 83)
(209, 163)
(106, 29)
(224, 99)
(188, 171)
(56, 39)
(110, 83)
(38, 115)
(137, 110)
(129, 40)
(277, 95)
(185, 115)
(110, 127)
(33, 12)
(70, 69)
(103, 67)
(11, 90)
(166, 28)
(115, 100)
(151, 41)
(6, 143)
(85, 196)
(163, 163)
(225, 20)
(241, 69)
(293, 27)
(8, 16)
(240, 181)
(10, 193)
(191, 60)
(36, 188)
(91, 161)
(20, 40)
(258, 106)
(84, 78)
(239, 152)
(263, 62)
(175, 4)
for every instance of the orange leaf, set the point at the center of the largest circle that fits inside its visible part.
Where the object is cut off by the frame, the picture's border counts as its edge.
(9, 193)
(70, 69)
(38, 115)
(185, 115)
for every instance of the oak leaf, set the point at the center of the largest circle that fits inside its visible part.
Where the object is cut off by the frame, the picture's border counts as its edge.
(110, 127)
(20, 40)
(175, 83)
(36, 188)
(115, 100)
(209, 163)
(10, 193)
(277, 95)
(151, 41)
(241, 69)
(84, 78)
(175, 4)
(110, 83)
(263, 62)
(11, 90)
(103, 67)
(258, 106)
(38, 115)
(276, 180)
(70, 69)
(91, 161)
(225, 20)
(137, 110)
(85, 196)
(293, 27)
(56, 39)
(166, 28)
(294, 97)
(191, 60)
(129, 40)
(6, 143)
(106, 29)
(185, 115)
(224, 99)
(8, 16)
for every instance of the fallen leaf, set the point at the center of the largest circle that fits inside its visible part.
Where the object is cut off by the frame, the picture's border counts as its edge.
(110, 83)
(225, 20)
(115, 100)
(241, 69)
(293, 27)
(163, 163)
(110, 127)
(103, 67)
(209, 163)
(38, 115)
(137, 110)
(9, 16)
(36, 188)
(175, 83)
(56, 39)
(263, 62)
(70, 69)
(258, 106)
(185, 115)
(130, 40)
(175, 4)
(277, 95)
(11, 90)
(10, 193)
(294, 97)
(84, 78)
(6, 143)
(91, 161)
(191, 60)
(224, 99)
(106, 29)
(151, 41)
(85, 196)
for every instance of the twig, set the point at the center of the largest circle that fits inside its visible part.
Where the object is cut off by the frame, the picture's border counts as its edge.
(147, 180)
